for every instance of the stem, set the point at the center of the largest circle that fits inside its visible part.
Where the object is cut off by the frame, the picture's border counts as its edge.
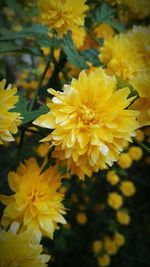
(146, 148)
(39, 85)
(42, 77)
(20, 145)
(93, 37)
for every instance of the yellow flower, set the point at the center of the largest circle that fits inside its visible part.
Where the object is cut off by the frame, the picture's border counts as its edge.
(97, 246)
(112, 177)
(91, 122)
(78, 36)
(36, 204)
(140, 35)
(141, 83)
(123, 217)
(21, 250)
(119, 53)
(125, 161)
(142, 104)
(139, 135)
(9, 120)
(135, 152)
(104, 260)
(115, 200)
(127, 188)
(137, 8)
(110, 246)
(119, 239)
(42, 149)
(81, 218)
(62, 15)
(103, 30)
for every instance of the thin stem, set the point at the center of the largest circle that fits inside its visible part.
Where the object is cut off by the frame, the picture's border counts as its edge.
(146, 148)
(42, 77)
(20, 145)
(39, 85)
(93, 37)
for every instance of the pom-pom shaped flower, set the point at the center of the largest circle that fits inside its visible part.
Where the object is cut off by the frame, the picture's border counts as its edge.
(90, 122)
(21, 250)
(36, 203)
(137, 8)
(62, 15)
(119, 53)
(140, 37)
(8, 120)
(141, 83)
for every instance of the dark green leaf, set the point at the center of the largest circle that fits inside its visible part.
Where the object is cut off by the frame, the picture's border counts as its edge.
(103, 13)
(73, 55)
(91, 55)
(36, 30)
(122, 83)
(28, 116)
(6, 47)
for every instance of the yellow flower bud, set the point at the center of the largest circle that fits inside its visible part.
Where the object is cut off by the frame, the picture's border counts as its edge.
(115, 200)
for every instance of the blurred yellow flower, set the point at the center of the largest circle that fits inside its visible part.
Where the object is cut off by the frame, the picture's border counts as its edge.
(119, 239)
(110, 246)
(62, 15)
(141, 83)
(119, 53)
(104, 260)
(36, 203)
(81, 218)
(139, 135)
(140, 35)
(103, 30)
(137, 8)
(127, 188)
(78, 36)
(123, 217)
(115, 200)
(97, 246)
(112, 177)
(9, 120)
(42, 149)
(142, 104)
(21, 250)
(125, 161)
(91, 122)
(135, 152)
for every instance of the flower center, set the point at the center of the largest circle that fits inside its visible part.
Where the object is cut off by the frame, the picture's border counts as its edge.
(87, 115)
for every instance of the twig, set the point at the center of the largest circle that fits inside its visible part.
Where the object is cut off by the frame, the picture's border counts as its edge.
(146, 148)
(42, 77)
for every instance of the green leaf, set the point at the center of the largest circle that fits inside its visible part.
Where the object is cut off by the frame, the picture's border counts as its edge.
(122, 83)
(117, 25)
(14, 5)
(91, 55)
(28, 116)
(103, 13)
(6, 47)
(73, 55)
(10, 47)
(36, 30)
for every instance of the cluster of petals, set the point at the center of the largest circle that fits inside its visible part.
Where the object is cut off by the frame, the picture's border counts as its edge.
(90, 122)
(36, 203)
(9, 120)
(128, 55)
(138, 9)
(21, 249)
(62, 15)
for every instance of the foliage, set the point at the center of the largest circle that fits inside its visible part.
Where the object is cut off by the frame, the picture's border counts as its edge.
(34, 58)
